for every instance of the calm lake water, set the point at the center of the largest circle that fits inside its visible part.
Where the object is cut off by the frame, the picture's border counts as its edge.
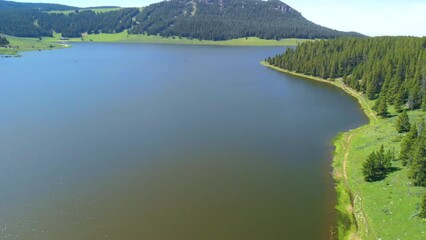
(165, 142)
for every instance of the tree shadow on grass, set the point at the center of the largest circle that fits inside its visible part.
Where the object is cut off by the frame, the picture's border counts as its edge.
(392, 170)
(383, 176)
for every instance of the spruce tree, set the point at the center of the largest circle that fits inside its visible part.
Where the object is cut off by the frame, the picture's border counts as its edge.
(424, 102)
(381, 107)
(369, 168)
(403, 123)
(407, 145)
(383, 162)
(422, 213)
(418, 166)
(377, 165)
(400, 99)
(3, 41)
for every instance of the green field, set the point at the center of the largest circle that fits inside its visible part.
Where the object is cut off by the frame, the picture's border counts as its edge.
(29, 44)
(381, 210)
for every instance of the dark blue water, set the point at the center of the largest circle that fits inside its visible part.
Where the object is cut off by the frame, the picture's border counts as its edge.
(159, 142)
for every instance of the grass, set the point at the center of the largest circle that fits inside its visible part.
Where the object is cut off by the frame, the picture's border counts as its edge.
(143, 38)
(28, 44)
(382, 210)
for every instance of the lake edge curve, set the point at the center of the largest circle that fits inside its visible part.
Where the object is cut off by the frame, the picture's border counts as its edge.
(352, 221)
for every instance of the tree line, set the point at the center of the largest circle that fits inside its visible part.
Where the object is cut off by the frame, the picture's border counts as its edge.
(390, 69)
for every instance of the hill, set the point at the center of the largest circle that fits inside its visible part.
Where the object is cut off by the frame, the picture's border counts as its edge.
(35, 23)
(229, 19)
(199, 19)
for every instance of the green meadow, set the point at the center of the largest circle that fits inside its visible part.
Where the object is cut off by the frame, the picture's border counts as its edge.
(29, 44)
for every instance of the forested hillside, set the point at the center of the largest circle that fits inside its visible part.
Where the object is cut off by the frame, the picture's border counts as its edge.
(200, 19)
(36, 23)
(40, 6)
(227, 19)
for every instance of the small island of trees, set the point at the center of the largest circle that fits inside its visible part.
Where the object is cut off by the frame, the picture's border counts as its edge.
(3, 41)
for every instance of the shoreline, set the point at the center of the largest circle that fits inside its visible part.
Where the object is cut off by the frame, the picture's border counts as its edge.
(124, 37)
(20, 45)
(352, 220)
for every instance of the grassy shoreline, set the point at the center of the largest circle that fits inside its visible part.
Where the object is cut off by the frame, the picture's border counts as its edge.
(18, 45)
(348, 227)
(381, 210)
(55, 42)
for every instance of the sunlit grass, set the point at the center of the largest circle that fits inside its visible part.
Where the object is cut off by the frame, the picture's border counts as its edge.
(28, 44)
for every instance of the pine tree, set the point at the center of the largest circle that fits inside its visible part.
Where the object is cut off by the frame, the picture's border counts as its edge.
(407, 144)
(422, 213)
(418, 166)
(400, 99)
(381, 107)
(424, 102)
(389, 158)
(383, 162)
(3, 41)
(377, 165)
(369, 168)
(403, 123)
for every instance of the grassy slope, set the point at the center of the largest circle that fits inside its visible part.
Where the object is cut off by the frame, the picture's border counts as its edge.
(381, 210)
(28, 44)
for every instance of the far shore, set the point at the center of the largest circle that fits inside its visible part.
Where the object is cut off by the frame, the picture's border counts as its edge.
(18, 44)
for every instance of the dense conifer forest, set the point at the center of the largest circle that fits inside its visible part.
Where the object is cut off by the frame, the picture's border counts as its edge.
(228, 19)
(36, 23)
(392, 69)
(40, 6)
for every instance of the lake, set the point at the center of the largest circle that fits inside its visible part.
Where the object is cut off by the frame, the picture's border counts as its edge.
(165, 142)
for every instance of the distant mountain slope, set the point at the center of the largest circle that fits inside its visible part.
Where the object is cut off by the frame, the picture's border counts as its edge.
(29, 22)
(201, 19)
(41, 6)
(227, 19)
